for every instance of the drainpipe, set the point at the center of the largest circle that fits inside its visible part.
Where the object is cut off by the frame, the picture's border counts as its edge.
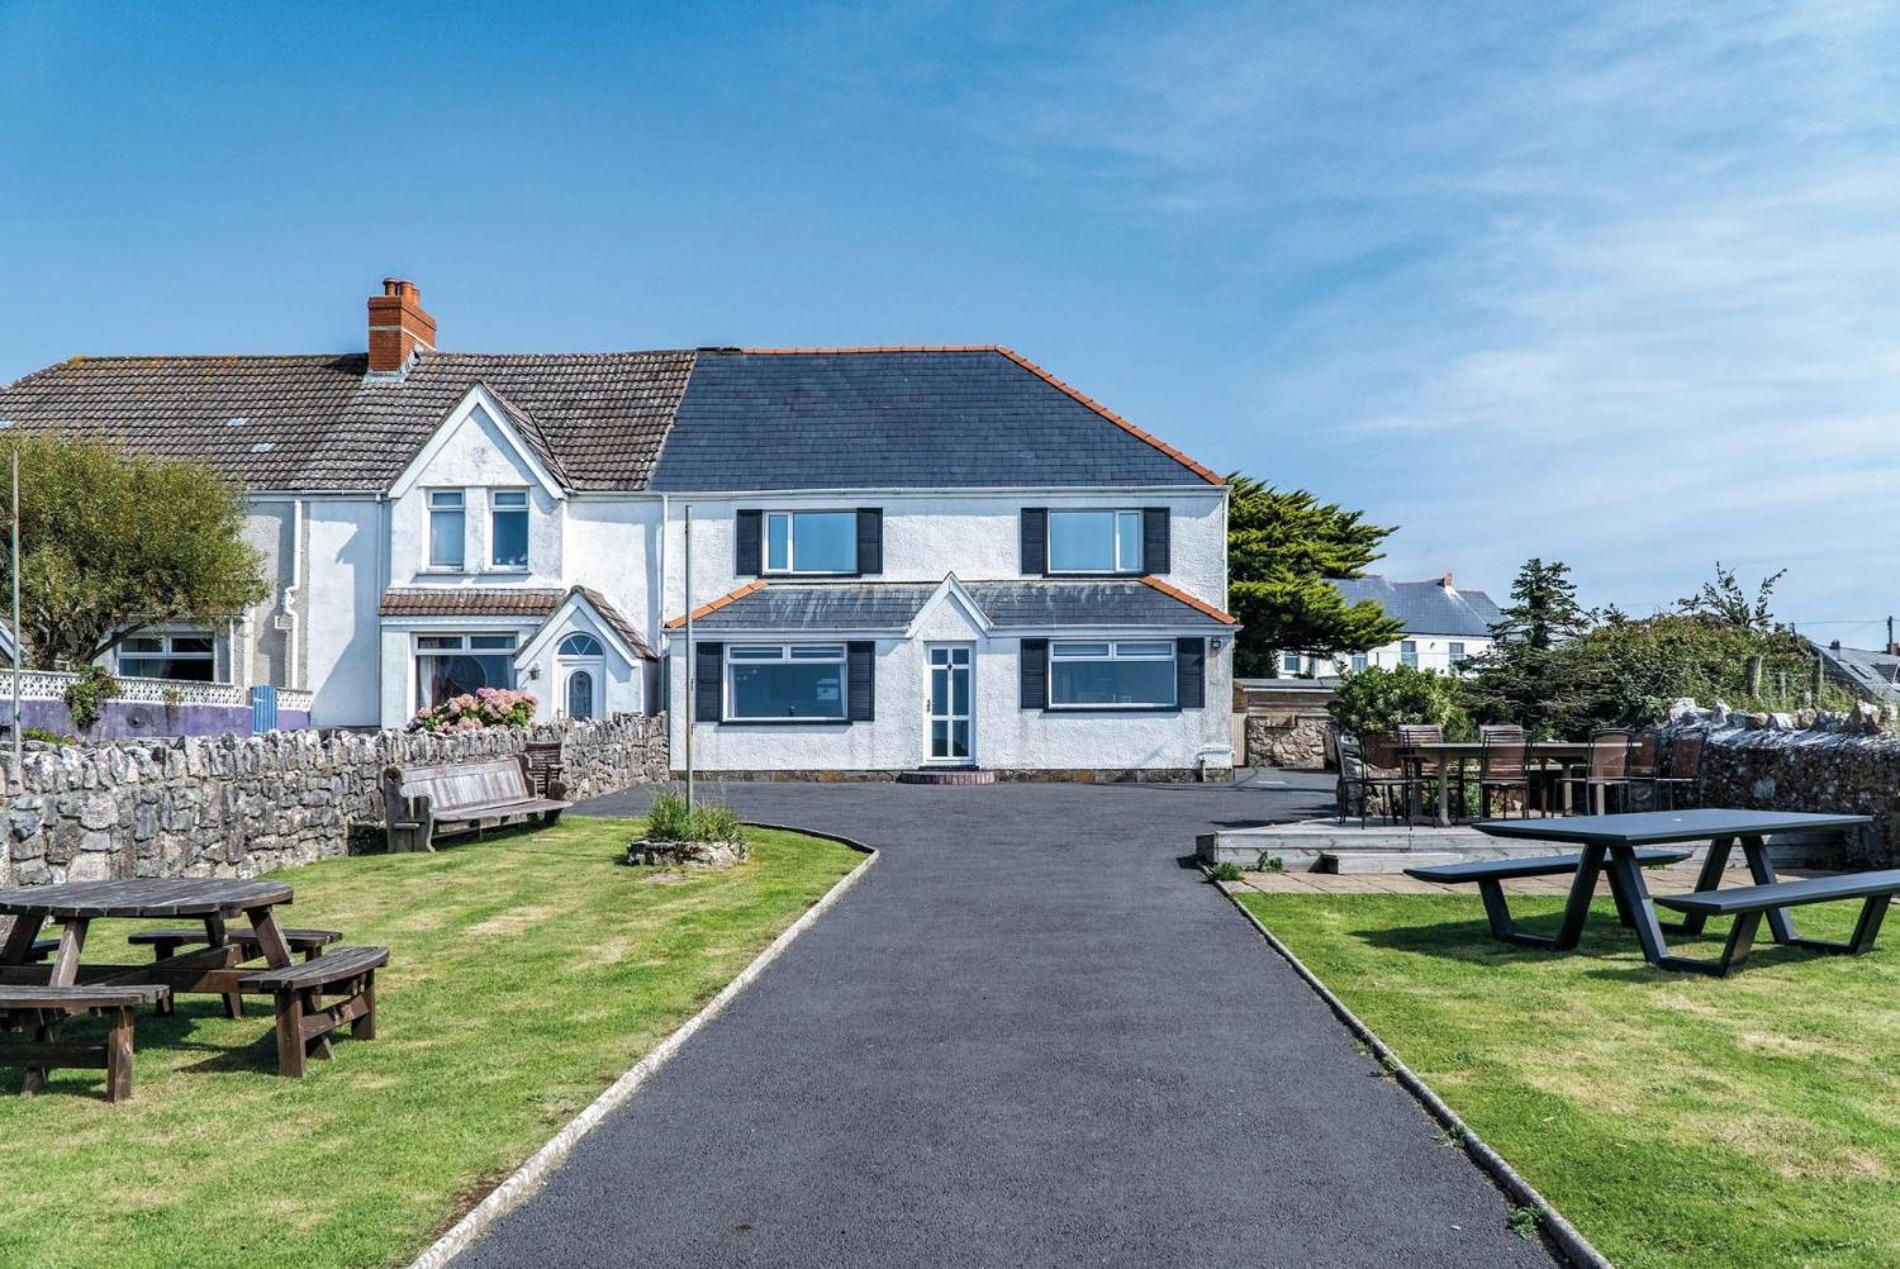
(293, 663)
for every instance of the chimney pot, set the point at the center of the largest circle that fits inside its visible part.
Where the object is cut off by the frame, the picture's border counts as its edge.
(1445, 581)
(398, 326)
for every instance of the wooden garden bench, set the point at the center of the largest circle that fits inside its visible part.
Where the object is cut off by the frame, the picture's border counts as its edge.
(1748, 904)
(417, 801)
(1489, 873)
(44, 1008)
(304, 1022)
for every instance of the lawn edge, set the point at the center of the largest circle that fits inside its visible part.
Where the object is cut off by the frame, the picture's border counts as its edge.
(1567, 1237)
(530, 1176)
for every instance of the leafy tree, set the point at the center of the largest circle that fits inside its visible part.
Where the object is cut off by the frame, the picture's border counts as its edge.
(1378, 699)
(1724, 602)
(1525, 677)
(1282, 546)
(111, 542)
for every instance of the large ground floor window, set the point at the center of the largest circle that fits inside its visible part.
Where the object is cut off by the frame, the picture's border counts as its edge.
(184, 654)
(1123, 674)
(449, 665)
(776, 681)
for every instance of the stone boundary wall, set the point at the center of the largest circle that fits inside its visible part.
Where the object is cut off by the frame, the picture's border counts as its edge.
(230, 806)
(1824, 762)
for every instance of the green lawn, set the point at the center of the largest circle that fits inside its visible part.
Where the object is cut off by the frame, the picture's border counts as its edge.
(1675, 1119)
(528, 971)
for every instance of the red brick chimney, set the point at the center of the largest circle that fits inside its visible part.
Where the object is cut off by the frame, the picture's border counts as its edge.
(397, 326)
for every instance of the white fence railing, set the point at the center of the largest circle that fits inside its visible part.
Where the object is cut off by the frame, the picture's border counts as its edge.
(51, 685)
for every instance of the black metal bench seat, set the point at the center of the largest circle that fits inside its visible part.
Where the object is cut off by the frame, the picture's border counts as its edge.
(1749, 904)
(1489, 873)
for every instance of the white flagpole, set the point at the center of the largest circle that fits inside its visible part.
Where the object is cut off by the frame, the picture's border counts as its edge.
(692, 662)
(19, 742)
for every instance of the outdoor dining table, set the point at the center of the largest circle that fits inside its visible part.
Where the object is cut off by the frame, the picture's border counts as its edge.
(75, 905)
(1451, 755)
(1612, 840)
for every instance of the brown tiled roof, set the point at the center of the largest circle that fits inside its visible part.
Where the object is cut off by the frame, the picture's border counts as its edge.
(319, 422)
(611, 615)
(470, 601)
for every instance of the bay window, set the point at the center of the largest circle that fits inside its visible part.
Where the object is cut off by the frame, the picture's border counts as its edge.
(1123, 674)
(454, 664)
(1095, 542)
(508, 528)
(768, 682)
(447, 518)
(183, 655)
(811, 542)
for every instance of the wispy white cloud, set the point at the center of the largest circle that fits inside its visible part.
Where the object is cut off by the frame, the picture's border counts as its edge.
(1618, 283)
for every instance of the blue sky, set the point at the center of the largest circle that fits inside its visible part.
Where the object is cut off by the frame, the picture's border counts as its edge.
(1613, 283)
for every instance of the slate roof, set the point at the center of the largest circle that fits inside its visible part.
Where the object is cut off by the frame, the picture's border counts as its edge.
(680, 420)
(858, 605)
(1869, 675)
(1425, 607)
(321, 423)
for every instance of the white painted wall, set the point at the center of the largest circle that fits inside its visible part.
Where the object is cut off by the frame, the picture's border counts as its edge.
(974, 534)
(476, 458)
(1434, 653)
(612, 546)
(343, 553)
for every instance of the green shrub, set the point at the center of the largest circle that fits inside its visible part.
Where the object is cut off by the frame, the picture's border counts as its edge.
(670, 820)
(1378, 699)
(87, 694)
(1226, 870)
(44, 736)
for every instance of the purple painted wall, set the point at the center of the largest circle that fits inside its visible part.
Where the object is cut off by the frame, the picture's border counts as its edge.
(123, 720)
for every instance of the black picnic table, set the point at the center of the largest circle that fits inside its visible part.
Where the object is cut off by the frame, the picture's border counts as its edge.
(1611, 841)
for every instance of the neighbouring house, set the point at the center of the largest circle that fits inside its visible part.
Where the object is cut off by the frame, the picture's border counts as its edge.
(1872, 676)
(900, 557)
(1443, 626)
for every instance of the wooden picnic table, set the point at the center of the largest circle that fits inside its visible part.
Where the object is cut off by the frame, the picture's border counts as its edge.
(76, 905)
(1452, 755)
(1611, 841)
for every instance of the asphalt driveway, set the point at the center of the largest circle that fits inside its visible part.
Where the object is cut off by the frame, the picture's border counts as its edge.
(1031, 1035)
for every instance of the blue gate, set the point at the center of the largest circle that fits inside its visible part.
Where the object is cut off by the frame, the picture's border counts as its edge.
(263, 709)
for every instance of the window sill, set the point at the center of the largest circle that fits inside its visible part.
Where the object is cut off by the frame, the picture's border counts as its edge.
(442, 570)
(1086, 711)
(782, 722)
(506, 570)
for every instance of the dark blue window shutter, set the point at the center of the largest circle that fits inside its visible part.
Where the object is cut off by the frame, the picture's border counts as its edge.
(1035, 674)
(1190, 673)
(709, 688)
(1035, 541)
(746, 531)
(1154, 539)
(870, 540)
(861, 664)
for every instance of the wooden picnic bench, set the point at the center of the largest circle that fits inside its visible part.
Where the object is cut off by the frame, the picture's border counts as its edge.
(166, 942)
(1489, 873)
(1748, 904)
(417, 801)
(304, 1022)
(44, 1008)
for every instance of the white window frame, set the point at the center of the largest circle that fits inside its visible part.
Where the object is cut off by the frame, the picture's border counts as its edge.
(1118, 650)
(1359, 661)
(791, 544)
(1408, 652)
(493, 642)
(525, 510)
(786, 654)
(432, 510)
(167, 643)
(1298, 663)
(1455, 653)
(1119, 514)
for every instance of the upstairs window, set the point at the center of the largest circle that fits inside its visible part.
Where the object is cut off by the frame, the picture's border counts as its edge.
(1359, 662)
(1456, 653)
(1095, 542)
(1289, 663)
(508, 528)
(811, 541)
(1408, 652)
(1123, 675)
(447, 519)
(186, 655)
(766, 682)
(449, 665)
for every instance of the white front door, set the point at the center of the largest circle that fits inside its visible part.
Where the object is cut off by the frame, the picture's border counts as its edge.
(950, 733)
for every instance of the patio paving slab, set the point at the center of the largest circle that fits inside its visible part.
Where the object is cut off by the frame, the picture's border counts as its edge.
(1032, 1035)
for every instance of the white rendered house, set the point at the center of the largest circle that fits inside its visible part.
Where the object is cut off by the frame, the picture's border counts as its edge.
(900, 558)
(1444, 627)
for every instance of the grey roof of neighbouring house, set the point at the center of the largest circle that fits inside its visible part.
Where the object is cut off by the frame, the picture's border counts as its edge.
(1870, 675)
(1428, 607)
(893, 605)
(859, 418)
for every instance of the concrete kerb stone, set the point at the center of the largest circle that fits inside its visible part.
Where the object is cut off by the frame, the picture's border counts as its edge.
(529, 1177)
(1566, 1238)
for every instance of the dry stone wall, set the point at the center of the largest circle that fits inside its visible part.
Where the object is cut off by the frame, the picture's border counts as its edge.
(231, 806)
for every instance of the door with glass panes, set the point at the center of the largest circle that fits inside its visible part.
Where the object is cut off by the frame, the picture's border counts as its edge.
(950, 734)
